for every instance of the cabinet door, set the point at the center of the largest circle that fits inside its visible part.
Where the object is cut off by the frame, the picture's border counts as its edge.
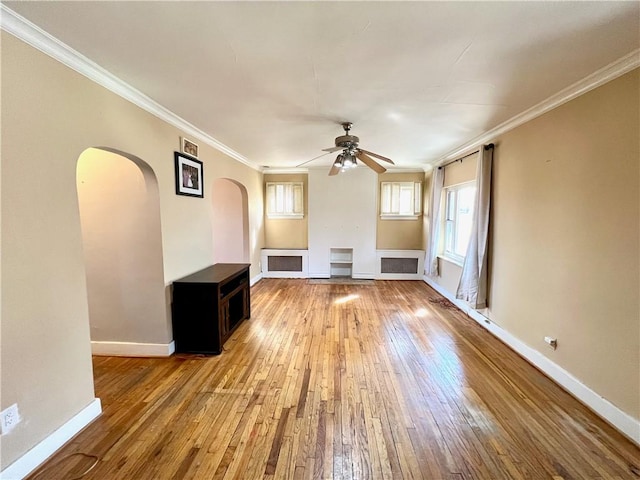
(246, 305)
(224, 320)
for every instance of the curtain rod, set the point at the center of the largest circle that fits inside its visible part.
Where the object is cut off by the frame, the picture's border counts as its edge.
(486, 147)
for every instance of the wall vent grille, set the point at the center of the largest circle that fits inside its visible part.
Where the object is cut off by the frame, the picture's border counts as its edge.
(398, 265)
(279, 263)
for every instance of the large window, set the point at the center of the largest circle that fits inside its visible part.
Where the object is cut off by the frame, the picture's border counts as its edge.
(401, 200)
(285, 200)
(459, 204)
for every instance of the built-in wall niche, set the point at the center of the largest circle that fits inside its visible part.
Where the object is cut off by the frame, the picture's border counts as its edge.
(341, 262)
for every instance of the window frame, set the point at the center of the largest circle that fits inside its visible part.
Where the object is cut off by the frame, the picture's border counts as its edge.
(291, 203)
(390, 207)
(450, 225)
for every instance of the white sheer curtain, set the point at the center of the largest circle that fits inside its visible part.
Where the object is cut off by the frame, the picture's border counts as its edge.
(431, 260)
(473, 281)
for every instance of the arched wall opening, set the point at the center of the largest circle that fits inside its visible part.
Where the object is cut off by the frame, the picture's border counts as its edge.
(230, 222)
(120, 219)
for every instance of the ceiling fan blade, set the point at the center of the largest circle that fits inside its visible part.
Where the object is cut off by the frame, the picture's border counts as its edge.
(314, 158)
(379, 157)
(332, 149)
(370, 162)
(335, 169)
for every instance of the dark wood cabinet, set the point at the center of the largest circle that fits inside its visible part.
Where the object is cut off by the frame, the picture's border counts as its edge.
(208, 306)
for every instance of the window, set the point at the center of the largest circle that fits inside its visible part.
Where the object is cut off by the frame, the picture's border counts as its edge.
(285, 200)
(459, 204)
(401, 200)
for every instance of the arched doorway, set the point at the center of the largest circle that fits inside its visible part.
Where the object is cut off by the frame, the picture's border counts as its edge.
(230, 222)
(120, 219)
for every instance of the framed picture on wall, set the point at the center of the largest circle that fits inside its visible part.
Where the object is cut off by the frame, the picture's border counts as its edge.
(188, 147)
(189, 176)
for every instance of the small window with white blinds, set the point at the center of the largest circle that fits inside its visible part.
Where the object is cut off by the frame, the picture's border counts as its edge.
(400, 200)
(285, 200)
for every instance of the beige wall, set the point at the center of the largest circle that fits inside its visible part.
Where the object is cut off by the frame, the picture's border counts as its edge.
(398, 234)
(461, 172)
(391, 234)
(565, 259)
(228, 222)
(50, 115)
(566, 229)
(288, 233)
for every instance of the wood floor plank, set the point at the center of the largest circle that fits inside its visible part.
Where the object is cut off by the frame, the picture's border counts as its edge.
(276, 445)
(343, 382)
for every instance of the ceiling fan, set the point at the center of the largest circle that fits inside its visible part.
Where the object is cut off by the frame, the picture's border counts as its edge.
(351, 153)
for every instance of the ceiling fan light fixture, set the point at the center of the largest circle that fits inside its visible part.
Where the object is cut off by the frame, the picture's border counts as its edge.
(348, 161)
(350, 153)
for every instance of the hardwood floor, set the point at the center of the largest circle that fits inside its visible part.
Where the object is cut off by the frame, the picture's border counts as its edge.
(343, 382)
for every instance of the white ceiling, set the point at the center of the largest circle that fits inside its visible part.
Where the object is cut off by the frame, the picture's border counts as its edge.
(272, 80)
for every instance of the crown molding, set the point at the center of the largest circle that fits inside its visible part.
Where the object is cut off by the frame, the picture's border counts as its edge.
(399, 169)
(23, 29)
(295, 170)
(600, 77)
(283, 170)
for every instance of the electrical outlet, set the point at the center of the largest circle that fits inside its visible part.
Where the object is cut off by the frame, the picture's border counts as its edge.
(9, 418)
(552, 342)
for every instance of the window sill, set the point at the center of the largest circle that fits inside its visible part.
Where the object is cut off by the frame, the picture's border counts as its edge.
(399, 217)
(455, 260)
(286, 217)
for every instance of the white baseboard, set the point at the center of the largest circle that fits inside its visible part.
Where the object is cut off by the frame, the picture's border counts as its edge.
(622, 421)
(363, 276)
(130, 349)
(320, 275)
(47, 447)
(284, 275)
(255, 280)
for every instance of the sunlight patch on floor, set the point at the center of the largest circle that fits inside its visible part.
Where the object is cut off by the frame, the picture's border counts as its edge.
(346, 299)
